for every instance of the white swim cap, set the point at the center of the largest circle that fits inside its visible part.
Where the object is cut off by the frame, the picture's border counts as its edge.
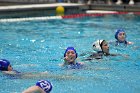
(97, 45)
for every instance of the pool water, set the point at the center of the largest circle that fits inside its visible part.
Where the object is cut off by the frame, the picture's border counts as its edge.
(38, 46)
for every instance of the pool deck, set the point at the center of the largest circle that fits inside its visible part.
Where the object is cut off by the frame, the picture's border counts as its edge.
(85, 8)
(113, 7)
(37, 6)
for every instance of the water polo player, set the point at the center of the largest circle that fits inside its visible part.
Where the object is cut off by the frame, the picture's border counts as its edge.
(42, 86)
(102, 49)
(120, 37)
(70, 57)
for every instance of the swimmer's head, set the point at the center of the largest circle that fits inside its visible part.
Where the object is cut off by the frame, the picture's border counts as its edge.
(4, 64)
(120, 35)
(97, 45)
(101, 46)
(70, 48)
(45, 85)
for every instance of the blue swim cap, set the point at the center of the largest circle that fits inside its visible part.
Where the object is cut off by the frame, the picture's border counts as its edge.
(70, 48)
(4, 64)
(117, 32)
(45, 85)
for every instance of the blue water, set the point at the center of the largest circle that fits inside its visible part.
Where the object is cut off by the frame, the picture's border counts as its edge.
(38, 46)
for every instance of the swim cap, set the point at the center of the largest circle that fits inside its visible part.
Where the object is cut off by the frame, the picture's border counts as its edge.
(4, 64)
(97, 45)
(45, 85)
(70, 48)
(117, 32)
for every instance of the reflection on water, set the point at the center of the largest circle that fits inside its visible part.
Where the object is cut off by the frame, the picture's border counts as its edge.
(38, 46)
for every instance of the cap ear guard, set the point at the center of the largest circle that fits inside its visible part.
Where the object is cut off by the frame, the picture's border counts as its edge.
(0, 67)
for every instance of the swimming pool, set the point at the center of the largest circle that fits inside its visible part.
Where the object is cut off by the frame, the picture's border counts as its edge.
(38, 46)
